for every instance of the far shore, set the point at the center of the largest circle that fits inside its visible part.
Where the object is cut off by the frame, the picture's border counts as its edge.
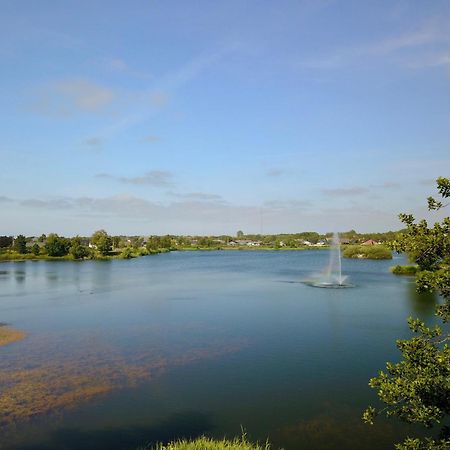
(30, 257)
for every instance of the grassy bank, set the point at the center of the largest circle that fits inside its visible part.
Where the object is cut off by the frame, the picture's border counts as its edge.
(125, 253)
(204, 443)
(9, 335)
(367, 252)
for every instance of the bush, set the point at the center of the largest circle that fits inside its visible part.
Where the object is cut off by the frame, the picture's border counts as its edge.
(404, 270)
(204, 443)
(367, 252)
(127, 253)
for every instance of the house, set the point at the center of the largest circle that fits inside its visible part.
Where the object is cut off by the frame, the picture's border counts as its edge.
(370, 242)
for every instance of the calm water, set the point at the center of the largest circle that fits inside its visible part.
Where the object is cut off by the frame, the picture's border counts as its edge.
(123, 353)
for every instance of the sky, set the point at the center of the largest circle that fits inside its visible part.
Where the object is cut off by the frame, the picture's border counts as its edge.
(208, 117)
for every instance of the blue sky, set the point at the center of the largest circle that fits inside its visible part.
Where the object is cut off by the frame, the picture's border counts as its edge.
(202, 117)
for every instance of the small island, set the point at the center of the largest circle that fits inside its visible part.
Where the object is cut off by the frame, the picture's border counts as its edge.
(371, 250)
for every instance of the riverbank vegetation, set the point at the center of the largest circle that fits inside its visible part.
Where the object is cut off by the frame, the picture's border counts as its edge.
(417, 389)
(9, 335)
(367, 252)
(204, 443)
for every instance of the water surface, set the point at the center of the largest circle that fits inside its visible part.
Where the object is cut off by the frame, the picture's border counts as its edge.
(121, 353)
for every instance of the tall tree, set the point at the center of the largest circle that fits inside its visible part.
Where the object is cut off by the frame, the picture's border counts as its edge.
(20, 244)
(56, 245)
(417, 389)
(6, 241)
(102, 241)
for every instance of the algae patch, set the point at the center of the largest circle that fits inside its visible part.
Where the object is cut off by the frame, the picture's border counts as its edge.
(9, 335)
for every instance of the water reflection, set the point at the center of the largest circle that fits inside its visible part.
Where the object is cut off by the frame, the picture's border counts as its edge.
(423, 305)
(186, 424)
(347, 432)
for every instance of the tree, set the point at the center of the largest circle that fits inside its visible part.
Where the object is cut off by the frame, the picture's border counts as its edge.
(35, 249)
(240, 234)
(77, 249)
(56, 246)
(6, 241)
(417, 389)
(20, 244)
(102, 241)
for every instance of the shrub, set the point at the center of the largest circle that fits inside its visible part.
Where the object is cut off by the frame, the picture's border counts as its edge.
(404, 270)
(367, 252)
(204, 443)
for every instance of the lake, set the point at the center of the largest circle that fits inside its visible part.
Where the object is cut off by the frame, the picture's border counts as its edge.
(123, 353)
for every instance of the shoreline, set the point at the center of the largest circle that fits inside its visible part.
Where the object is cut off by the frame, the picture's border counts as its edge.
(30, 257)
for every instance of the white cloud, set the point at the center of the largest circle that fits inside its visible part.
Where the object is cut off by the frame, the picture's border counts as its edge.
(157, 178)
(420, 40)
(69, 97)
(345, 192)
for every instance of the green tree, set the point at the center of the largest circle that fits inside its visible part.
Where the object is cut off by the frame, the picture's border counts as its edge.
(417, 389)
(56, 245)
(6, 241)
(35, 249)
(77, 249)
(20, 244)
(240, 234)
(102, 241)
(116, 241)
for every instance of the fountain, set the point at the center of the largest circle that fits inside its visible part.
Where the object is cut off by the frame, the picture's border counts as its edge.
(332, 276)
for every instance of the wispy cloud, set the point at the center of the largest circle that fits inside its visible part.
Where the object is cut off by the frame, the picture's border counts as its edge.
(420, 40)
(4, 199)
(197, 196)
(287, 204)
(386, 185)
(59, 203)
(345, 192)
(69, 97)
(160, 91)
(159, 99)
(156, 178)
(93, 143)
(275, 172)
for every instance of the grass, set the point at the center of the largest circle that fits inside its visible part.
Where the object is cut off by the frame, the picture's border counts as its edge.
(9, 335)
(404, 270)
(367, 252)
(204, 443)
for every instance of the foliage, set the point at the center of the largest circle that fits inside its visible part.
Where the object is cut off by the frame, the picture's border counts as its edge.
(78, 250)
(404, 270)
(6, 241)
(57, 246)
(204, 443)
(20, 244)
(159, 242)
(35, 249)
(367, 252)
(102, 241)
(127, 253)
(417, 389)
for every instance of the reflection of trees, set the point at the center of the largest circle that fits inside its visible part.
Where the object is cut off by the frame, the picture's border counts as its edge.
(422, 304)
